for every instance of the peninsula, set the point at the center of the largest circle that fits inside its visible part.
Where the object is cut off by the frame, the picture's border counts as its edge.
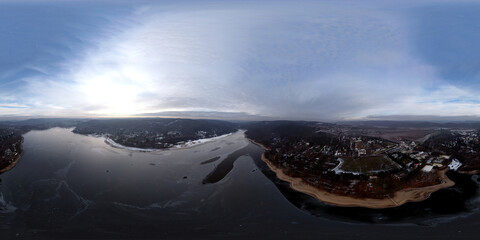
(365, 166)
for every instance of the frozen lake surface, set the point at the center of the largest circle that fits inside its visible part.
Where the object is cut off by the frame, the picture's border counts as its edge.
(70, 185)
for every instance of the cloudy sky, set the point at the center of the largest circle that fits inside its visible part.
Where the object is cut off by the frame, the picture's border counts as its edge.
(325, 60)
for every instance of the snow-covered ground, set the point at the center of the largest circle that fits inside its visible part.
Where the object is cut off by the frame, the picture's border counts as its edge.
(427, 168)
(199, 141)
(454, 165)
(112, 143)
(187, 144)
(337, 169)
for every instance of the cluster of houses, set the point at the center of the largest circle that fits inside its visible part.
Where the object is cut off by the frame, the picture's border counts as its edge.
(359, 147)
(10, 153)
(406, 154)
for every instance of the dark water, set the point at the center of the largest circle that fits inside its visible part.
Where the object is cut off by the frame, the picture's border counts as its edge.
(73, 186)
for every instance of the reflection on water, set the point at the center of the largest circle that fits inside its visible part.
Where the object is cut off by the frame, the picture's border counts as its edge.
(68, 184)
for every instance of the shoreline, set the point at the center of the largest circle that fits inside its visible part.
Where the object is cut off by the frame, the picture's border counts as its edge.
(257, 143)
(399, 197)
(14, 162)
(470, 172)
(187, 145)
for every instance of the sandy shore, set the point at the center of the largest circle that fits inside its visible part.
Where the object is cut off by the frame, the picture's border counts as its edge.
(471, 172)
(400, 197)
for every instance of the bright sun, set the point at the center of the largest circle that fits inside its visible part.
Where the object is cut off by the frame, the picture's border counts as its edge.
(114, 92)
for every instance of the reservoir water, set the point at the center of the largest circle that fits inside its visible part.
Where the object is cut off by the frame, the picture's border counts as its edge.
(70, 185)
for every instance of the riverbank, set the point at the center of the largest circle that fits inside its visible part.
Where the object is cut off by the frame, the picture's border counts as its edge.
(257, 143)
(470, 172)
(399, 198)
(186, 145)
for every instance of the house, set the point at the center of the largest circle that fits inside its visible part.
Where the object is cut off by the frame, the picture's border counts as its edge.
(438, 165)
(427, 168)
(455, 164)
(362, 152)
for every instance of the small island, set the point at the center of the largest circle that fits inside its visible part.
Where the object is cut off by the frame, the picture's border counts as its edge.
(366, 166)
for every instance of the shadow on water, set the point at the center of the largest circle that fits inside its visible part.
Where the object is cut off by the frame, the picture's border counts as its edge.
(461, 199)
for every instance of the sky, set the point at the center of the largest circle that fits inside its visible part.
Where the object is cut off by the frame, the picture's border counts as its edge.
(309, 60)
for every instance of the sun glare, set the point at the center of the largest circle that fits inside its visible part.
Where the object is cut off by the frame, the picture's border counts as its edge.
(113, 93)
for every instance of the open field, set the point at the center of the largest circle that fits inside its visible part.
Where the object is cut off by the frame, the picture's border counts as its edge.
(370, 164)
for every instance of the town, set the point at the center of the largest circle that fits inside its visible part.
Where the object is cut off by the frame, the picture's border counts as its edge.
(10, 148)
(347, 163)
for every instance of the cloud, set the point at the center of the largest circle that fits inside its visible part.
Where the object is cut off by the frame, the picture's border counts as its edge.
(447, 36)
(317, 60)
(207, 115)
(434, 118)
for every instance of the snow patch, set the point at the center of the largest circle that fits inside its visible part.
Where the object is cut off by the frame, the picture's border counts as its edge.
(427, 168)
(191, 143)
(188, 144)
(337, 169)
(454, 165)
